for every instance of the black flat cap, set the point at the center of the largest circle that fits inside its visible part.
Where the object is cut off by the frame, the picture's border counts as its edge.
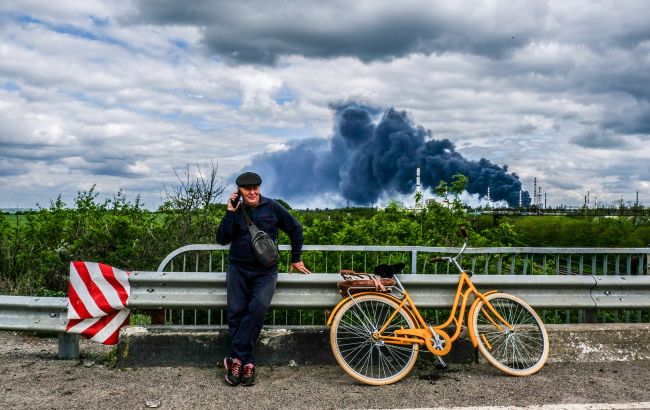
(248, 179)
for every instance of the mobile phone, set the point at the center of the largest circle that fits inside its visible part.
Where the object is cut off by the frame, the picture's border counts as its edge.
(235, 201)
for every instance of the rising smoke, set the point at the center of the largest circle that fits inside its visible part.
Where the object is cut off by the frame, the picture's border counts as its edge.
(365, 160)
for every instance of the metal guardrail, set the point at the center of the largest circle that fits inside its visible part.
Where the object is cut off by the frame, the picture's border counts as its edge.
(206, 290)
(495, 260)
(594, 278)
(40, 314)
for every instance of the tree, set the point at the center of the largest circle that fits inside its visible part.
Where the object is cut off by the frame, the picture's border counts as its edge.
(418, 199)
(190, 200)
(458, 184)
(442, 190)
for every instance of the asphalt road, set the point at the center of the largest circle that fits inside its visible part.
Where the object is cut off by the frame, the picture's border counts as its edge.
(31, 377)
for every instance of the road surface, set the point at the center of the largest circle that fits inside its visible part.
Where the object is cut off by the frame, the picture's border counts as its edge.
(31, 377)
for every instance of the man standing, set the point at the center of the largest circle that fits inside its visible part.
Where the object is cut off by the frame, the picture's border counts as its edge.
(250, 285)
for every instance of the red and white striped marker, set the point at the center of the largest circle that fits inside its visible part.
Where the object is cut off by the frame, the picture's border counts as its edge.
(97, 297)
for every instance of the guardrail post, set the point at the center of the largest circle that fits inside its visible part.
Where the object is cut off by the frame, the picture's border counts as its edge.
(157, 316)
(68, 346)
(590, 316)
(414, 261)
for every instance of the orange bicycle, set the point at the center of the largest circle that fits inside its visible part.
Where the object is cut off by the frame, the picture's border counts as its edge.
(376, 334)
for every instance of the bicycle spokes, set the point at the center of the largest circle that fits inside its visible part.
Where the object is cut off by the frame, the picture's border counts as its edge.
(360, 349)
(516, 342)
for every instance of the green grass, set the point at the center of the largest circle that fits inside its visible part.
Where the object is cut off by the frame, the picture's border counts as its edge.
(13, 218)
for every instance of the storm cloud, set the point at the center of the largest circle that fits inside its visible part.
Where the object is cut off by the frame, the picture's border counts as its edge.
(261, 32)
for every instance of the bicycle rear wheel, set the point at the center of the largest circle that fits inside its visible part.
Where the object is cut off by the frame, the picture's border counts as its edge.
(519, 350)
(370, 360)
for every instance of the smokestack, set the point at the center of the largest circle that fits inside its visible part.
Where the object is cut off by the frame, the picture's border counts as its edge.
(418, 189)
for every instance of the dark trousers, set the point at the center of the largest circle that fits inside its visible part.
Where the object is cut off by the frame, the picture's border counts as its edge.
(249, 295)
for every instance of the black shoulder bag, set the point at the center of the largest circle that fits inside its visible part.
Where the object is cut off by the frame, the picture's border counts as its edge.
(264, 248)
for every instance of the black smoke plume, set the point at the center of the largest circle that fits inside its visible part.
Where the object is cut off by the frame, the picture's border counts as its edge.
(366, 159)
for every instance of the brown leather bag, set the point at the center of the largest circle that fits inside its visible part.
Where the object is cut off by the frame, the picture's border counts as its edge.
(354, 282)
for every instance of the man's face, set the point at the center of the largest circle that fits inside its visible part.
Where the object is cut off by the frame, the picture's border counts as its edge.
(250, 194)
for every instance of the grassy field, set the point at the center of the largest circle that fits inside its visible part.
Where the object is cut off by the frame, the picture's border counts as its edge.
(13, 218)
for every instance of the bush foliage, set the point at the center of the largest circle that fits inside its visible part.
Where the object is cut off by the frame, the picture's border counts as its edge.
(37, 247)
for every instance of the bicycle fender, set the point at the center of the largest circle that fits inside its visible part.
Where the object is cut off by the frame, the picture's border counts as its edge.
(346, 299)
(470, 324)
(470, 315)
(336, 309)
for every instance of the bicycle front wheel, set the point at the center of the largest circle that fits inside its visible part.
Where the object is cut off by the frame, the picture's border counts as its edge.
(367, 359)
(520, 349)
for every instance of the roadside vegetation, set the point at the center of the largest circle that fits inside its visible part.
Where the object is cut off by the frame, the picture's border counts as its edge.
(36, 247)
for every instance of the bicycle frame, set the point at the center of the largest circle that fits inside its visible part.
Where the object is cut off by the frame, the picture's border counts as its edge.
(430, 335)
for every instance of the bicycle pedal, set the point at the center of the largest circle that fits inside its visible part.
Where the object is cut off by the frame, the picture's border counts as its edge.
(442, 366)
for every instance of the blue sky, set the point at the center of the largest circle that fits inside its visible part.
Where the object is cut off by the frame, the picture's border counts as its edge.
(122, 93)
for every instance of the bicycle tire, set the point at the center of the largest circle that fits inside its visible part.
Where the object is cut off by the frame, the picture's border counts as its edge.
(365, 359)
(519, 351)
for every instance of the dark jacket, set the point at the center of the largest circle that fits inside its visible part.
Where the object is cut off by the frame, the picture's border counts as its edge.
(268, 216)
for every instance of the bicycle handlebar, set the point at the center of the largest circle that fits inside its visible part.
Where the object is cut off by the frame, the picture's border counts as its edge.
(463, 232)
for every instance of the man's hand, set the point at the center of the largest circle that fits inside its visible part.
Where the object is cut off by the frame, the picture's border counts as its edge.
(300, 266)
(232, 198)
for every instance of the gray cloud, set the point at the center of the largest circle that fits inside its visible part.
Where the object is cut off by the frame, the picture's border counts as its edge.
(11, 168)
(634, 119)
(262, 32)
(634, 169)
(595, 138)
(117, 167)
(24, 153)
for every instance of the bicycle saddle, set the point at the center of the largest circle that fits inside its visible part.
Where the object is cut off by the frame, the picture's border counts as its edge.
(388, 271)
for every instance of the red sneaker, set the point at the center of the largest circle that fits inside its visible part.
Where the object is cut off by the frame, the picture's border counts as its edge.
(232, 368)
(248, 375)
